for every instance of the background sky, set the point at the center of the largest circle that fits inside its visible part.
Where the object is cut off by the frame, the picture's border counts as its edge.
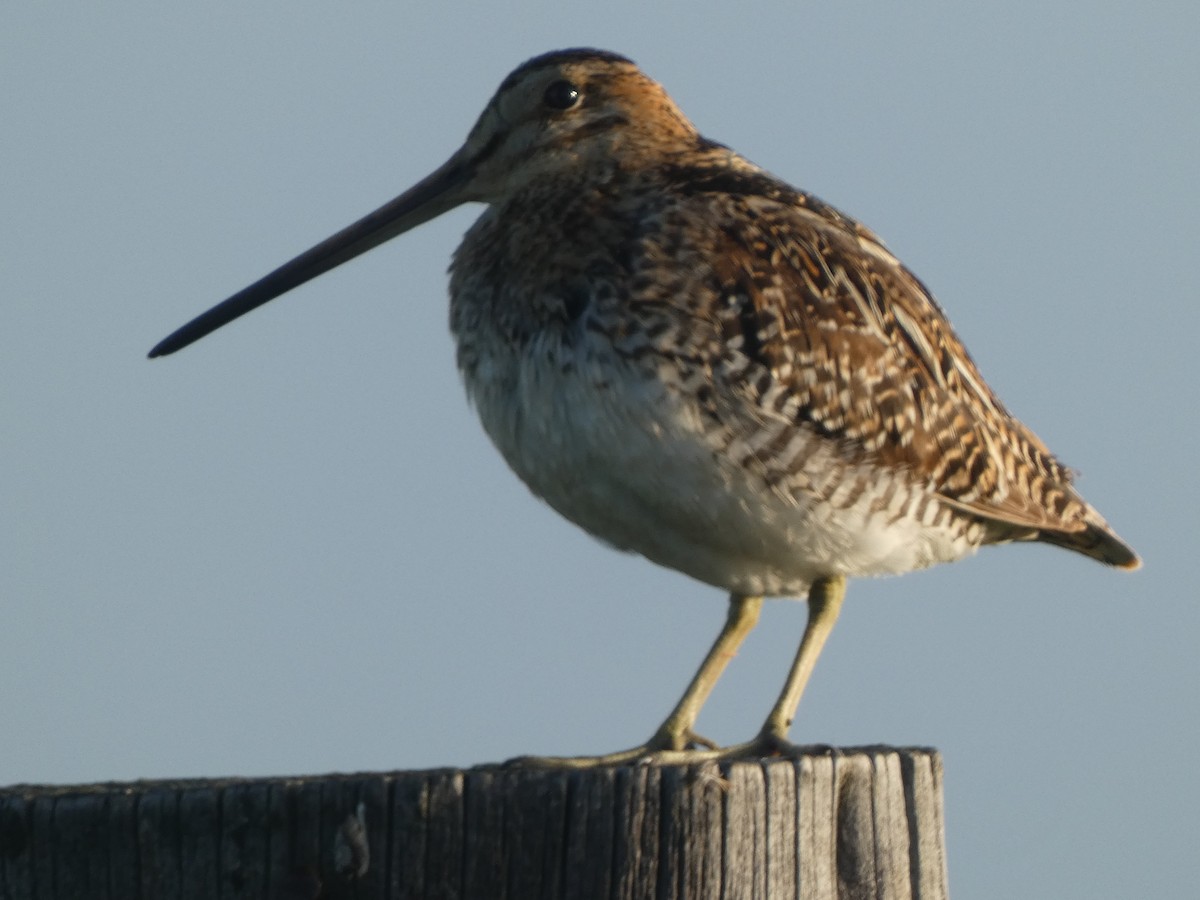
(291, 549)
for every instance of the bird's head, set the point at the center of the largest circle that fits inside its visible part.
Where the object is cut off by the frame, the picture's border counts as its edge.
(567, 114)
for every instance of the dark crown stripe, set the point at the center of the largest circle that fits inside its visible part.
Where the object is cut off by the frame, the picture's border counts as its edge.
(558, 57)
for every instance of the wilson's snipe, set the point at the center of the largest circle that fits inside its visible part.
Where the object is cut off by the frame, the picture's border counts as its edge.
(696, 362)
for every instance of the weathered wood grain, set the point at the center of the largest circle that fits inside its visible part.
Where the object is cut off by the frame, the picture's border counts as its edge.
(845, 824)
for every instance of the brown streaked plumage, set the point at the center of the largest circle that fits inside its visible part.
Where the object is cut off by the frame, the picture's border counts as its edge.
(696, 362)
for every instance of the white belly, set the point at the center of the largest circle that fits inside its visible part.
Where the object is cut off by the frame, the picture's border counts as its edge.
(625, 457)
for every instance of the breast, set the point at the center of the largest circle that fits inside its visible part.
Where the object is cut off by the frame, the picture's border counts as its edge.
(604, 445)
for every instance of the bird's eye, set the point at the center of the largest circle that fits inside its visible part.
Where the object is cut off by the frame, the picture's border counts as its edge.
(561, 95)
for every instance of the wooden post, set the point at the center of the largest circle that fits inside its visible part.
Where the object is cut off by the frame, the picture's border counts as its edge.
(855, 823)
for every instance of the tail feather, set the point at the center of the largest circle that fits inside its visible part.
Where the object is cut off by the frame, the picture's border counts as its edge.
(1098, 541)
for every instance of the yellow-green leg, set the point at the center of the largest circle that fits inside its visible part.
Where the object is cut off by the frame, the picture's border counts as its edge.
(676, 733)
(671, 741)
(824, 603)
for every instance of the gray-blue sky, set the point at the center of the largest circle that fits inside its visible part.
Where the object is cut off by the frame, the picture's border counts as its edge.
(291, 549)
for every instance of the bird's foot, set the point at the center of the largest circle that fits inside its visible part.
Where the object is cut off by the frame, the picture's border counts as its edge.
(666, 747)
(665, 750)
(766, 744)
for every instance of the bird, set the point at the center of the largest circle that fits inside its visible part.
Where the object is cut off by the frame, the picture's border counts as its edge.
(695, 361)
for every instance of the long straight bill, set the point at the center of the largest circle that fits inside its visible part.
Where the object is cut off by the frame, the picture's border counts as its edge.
(425, 200)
